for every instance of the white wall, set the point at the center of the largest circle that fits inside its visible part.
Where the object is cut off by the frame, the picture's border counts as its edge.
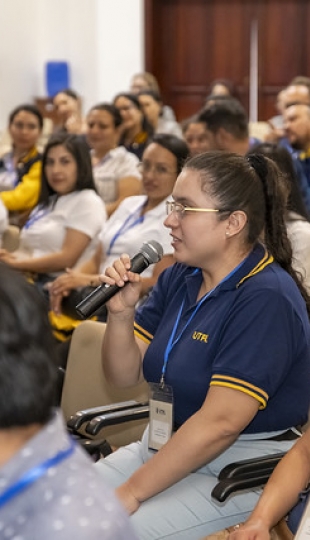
(101, 39)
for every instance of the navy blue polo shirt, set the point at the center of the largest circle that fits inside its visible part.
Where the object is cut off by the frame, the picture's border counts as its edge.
(251, 334)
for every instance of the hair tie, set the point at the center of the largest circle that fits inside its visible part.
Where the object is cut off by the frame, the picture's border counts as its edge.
(259, 164)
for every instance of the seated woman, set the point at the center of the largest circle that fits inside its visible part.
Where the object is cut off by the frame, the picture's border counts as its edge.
(152, 107)
(296, 217)
(136, 220)
(286, 491)
(148, 81)
(63, 229)
(136, 131)
(195, 135)
(20, 169)
(223, 341)
(115, 169)
(68, 108)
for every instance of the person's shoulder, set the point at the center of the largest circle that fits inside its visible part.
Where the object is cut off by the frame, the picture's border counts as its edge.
(89, 195)
(275, 285)
(121, 154)
(94, 510)
(132, 203)
(81, 200)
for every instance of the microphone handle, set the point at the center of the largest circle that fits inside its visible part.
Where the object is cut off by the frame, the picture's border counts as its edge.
(99, 296)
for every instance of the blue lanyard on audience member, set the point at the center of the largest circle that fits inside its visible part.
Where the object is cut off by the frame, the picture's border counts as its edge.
(35, 216)
(173, 340)
(30, 477)
(131, 221)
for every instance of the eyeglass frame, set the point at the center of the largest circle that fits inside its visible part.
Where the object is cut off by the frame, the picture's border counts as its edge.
(141, 167)
(171, 207)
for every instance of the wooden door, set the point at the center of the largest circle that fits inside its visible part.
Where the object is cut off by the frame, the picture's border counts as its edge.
(190, 43)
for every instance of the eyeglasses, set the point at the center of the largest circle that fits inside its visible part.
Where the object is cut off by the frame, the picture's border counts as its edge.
(159, 170)
(181, 210)
(21, 125)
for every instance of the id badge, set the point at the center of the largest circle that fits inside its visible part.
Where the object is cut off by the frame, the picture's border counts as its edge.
(161, 415)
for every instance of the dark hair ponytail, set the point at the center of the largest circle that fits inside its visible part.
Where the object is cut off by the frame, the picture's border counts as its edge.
(275, 232)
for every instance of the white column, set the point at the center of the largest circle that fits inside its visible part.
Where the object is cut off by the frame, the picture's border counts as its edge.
(253, 91)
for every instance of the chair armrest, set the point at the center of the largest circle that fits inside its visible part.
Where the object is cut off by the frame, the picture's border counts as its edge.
(251, 466)
(117, 417)
(245, 474)
(76, 421)
(223, 489)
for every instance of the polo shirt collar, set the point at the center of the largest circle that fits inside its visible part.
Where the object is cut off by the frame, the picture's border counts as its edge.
(254, 263)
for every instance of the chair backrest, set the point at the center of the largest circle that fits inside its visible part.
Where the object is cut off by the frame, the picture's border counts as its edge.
(85, 384)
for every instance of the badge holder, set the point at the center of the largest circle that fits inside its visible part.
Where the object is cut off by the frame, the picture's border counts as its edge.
(161, 415)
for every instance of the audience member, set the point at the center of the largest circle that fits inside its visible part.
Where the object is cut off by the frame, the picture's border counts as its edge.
(136, 220)
(296, 217)
(297, 92)
(20, 169)
(63, 230)
(44, 475)
(276, 123)
(115, 169)
(297, 130)
(223, 87)
(195, 135)
(152, 107)
(68, 108)
(226, 126)
(224, 336)
(148, 81)
(287, 490)
(136, 131)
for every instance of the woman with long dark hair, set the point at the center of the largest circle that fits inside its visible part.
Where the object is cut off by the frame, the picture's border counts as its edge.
(63, 229)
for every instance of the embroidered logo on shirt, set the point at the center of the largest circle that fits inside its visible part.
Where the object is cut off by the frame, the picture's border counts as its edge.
(199, 336)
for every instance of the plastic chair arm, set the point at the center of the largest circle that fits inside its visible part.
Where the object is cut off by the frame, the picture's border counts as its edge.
(76, 421)
(114, 418)
(245, 474)
(252, 466)
(224, 488)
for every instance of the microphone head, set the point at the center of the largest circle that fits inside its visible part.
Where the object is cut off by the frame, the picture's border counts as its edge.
(152, 251)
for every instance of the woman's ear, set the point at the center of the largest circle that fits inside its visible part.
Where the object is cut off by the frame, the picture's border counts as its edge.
(236, 222)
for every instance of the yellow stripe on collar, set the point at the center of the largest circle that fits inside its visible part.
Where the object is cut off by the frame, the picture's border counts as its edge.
(265, 261)
(304, 155)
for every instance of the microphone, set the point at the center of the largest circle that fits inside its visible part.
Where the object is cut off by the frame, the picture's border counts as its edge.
(151, 252)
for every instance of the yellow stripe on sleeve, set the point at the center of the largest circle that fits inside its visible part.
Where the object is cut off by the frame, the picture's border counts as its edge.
(243, 386)
(141, 333)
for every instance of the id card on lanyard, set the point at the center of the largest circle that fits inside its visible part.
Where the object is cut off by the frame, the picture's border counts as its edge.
(161, 415)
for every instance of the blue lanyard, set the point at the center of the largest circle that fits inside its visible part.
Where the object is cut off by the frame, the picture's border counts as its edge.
(131, 221)
(173, 340)
(37, 214)
(30, 477)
